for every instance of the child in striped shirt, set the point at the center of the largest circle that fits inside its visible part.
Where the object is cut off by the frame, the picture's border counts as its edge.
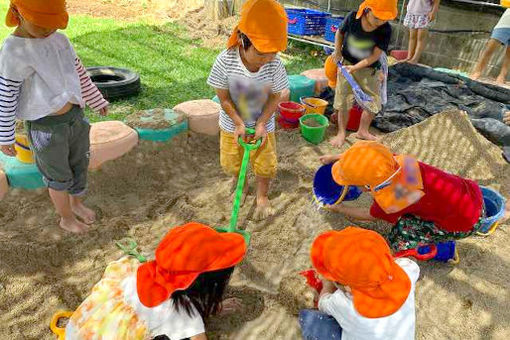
(249, 78)
(43, 82)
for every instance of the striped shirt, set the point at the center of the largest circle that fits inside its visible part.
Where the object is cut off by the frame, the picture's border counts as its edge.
(249, 90)
(37, 78)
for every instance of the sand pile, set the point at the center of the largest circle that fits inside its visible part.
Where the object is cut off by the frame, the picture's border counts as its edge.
(158, 186)
(213, 33)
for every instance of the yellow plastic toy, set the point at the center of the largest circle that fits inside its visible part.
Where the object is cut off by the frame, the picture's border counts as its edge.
(22, 147)
(58, 331)
(505, 3)
(314, 105)
(490, 231)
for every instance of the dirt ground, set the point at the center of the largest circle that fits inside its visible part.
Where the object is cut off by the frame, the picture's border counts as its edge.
(134, 9)
(154, 188)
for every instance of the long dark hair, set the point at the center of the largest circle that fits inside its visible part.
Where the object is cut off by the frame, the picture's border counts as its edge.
(245, 41)
(205, 294)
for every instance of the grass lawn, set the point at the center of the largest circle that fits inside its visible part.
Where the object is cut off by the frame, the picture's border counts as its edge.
(173, 68)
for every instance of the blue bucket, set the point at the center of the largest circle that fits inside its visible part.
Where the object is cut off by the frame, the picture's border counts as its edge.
(494, 208)
(445, 251)
(327, 192)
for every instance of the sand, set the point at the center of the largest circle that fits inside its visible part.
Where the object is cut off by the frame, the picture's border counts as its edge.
(154, 119)
(158, 186)
(311, 122)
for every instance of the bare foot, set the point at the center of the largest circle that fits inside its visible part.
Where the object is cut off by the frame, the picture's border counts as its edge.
(263, 210)
(87, 215)
(475, 75)
(365, 136)
(500, 80)
(73, 225)
(338, 140)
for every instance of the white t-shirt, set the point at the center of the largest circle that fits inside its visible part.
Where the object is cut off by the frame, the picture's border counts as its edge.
(249, 90)
(46, 68)
(420, 7)
(163, 319)
(504, 22)
(398, 326)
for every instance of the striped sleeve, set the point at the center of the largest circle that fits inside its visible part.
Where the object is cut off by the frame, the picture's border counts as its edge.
(9, 95)
(280, 78)
(218, 77)
(89, 90)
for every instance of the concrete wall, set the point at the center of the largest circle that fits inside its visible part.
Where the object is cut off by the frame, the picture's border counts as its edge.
(450, 50)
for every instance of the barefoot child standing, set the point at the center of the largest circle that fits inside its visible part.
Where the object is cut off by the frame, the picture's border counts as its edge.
(248, 78)
(359, 44)
(43, 82)
(420, 14)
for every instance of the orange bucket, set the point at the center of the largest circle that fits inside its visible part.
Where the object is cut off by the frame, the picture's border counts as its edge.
(314, 105)
(23, 152)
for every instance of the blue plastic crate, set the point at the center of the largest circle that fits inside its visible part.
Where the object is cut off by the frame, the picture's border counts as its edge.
(332, 25)
(306, 21)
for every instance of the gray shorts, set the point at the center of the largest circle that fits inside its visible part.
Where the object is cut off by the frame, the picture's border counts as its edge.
(61, 148)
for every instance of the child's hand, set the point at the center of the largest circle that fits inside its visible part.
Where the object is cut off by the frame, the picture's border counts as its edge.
(261, 132)
(104, 111)
(8, 150)
(432, 15)
(506, 118)
(336, 57)
(240, 131)
(350, 68)
(328, 159)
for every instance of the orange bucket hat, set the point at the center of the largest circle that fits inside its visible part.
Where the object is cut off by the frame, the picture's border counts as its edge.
(50, 14)
(186, 252)
(395, 182)
(362, 260)
(382, 9)
(331, 70)
(265, 23)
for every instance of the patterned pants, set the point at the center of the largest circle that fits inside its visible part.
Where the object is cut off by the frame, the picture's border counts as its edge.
(411, 232)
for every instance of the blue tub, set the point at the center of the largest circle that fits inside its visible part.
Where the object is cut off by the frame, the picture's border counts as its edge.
(327, 192)
(306, 21)
(332, 26)
(494, 208)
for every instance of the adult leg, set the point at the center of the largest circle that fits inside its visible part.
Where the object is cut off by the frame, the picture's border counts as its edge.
(504, 68)
(484, 58)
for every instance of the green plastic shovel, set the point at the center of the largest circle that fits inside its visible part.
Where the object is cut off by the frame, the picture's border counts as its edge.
(232, 228)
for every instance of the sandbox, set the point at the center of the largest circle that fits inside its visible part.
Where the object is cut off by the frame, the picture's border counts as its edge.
(157, 186)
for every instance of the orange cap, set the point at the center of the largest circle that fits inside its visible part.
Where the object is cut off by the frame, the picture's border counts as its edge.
(265, 23)
(382, 9)
(331, 70)
(361, 259)
(364, 163)
(395, 181)
(186, 252)
(50, 14)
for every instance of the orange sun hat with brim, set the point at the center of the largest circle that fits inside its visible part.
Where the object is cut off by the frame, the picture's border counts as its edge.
(331, 70)
(50, 14)
(186, 252)
(382, 9)
(362, 260)
(395, 181)
(364, 163)
(265, 23)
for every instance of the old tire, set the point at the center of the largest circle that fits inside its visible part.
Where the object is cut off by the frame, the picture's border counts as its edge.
(115, 83)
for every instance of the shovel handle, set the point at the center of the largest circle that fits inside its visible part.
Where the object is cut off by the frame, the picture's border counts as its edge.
(250, 146)
(420, 257)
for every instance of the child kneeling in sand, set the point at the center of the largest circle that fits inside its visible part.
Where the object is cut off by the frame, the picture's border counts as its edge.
(366, 294)
(249, 78)
(43, 82)
(425, 204)
(167, 298)
(359, 44)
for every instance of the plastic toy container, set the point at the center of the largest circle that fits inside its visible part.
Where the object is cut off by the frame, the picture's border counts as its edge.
(327, 192)
(313, 134)
(306, 21)
(332, 26)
